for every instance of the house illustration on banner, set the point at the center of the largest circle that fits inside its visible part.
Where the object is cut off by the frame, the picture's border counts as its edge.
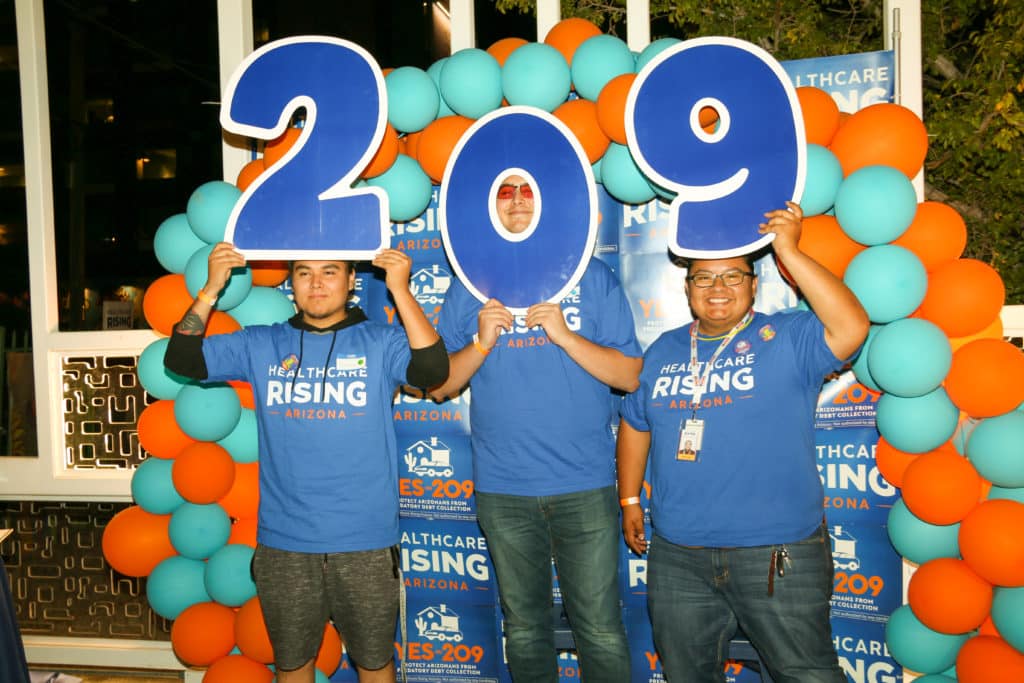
(428, 285)
(844, 549)
(438, 623)
(429, 458)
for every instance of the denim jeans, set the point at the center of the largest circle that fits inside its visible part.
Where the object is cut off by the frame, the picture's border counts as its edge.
(698, 596)
(581, 531)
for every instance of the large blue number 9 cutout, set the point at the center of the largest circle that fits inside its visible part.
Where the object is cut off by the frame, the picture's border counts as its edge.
(547, 260)
(304, 206)
(753, 162)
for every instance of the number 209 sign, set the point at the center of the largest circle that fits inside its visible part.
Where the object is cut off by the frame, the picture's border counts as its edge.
(724, 180)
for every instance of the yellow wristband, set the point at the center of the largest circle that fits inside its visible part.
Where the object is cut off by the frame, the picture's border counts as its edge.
(206, 298)
(626, 502)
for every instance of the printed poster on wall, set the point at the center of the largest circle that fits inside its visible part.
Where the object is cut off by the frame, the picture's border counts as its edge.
(436, 477)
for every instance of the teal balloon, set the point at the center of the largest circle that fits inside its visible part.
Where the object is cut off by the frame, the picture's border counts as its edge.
(910, 357)
(471, 83)
(263, 306)
(434, 71)
(153, 488)
(536, 75)
(175, 242)
(243, 441)
(917, 647)
(209, 207)
(1001, 493)
(198, 269)
(413, 99)
(875, 204)
(176, 584)
(653, 50)
(198, 531)
(598, 60)
(408, 187)
(154, 377)
(207, 412)
(963, 433)
(622, 178)
(860, 365)
(1008, 615)
(596, 168)
(824, 175)
(996, 449)
(919, 541)
(228, 578)
(919, 424)
(889, 281)
(934, 678)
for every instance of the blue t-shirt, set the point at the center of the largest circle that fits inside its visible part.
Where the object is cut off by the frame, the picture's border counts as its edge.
(541, 424)
(756, 479)
(328, 455)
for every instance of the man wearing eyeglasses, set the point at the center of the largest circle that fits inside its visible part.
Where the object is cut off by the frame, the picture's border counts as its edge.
(739, 537)
(543, 453)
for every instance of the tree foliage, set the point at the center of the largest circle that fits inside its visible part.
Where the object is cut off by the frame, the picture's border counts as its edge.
(973, 63)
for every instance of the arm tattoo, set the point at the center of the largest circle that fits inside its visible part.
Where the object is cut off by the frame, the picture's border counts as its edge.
(191, 325)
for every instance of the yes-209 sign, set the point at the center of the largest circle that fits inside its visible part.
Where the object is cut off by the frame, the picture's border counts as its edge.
(305, 206)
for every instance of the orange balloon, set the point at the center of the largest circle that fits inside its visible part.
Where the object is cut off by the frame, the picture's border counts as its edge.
(823, 240)
(249, 173)
(892, 463)
(941, 487)
(501, 49)
(135, 541)
(568, 34)
(221, 323)
(884, 133)
(820, 114)
(243, 532)
(245, 395)
(987, 659)
(165, 302)
(993, 331)
(268, 273)
(385, 156)
(947, 596)
(203, 473)
(707, 118)
(437, 142)
(409, 144)
(251, 632)
(937, 235)
(581, 118)
(611, 107)
(992, 543)
(236, 668)
(203, 633)
(963, 297)
(986, 378)
(159, 433)
(328, 658)
(988, 628)
(279, 146)
(243, 498)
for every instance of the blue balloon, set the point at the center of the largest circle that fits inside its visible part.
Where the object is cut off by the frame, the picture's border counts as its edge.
(198, 531)
(910, 357)
(824, 175)
(228, 579)
(919, 541)
(154, 377)
(919, 424)
(198, 269)
(263, 306)
(996, 449)
(207, 412)
(1000, 493)
(409, 188)
(536, 74)
(860, 365)
(153, 488)
(889, 281)
(875, 204)
(598, 60)
(1008, 615)
(471, 83)
(413, 99)
(622, 178)
(243, 441)
(209, 208)
(434, 71)
(917, 647)
(176, 584)
(652, 51)
(175, 242)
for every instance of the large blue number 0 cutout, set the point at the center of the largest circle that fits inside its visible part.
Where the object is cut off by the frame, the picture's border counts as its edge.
(547, 260)
(725, 180)
(304, 206)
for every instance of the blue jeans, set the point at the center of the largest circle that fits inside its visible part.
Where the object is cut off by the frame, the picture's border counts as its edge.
(698, 596)
(581, 531)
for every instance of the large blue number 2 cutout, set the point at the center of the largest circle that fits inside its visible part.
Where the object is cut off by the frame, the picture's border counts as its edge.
(547, 260)
(725, 180)
(304, 206)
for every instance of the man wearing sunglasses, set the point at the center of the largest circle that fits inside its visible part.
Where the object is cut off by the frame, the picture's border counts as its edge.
(738, 524)
(543, 453)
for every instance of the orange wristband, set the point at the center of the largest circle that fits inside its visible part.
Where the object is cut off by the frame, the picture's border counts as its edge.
(480, 347)
(626, 502)
(206, 298)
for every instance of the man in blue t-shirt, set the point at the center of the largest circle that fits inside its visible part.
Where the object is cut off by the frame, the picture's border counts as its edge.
(541, 410)
(726, 410)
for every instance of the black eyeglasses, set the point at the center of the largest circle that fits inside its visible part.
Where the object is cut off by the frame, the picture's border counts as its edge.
(730, 278)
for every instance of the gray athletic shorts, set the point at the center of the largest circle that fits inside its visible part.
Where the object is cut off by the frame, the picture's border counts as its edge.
(300, 591)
